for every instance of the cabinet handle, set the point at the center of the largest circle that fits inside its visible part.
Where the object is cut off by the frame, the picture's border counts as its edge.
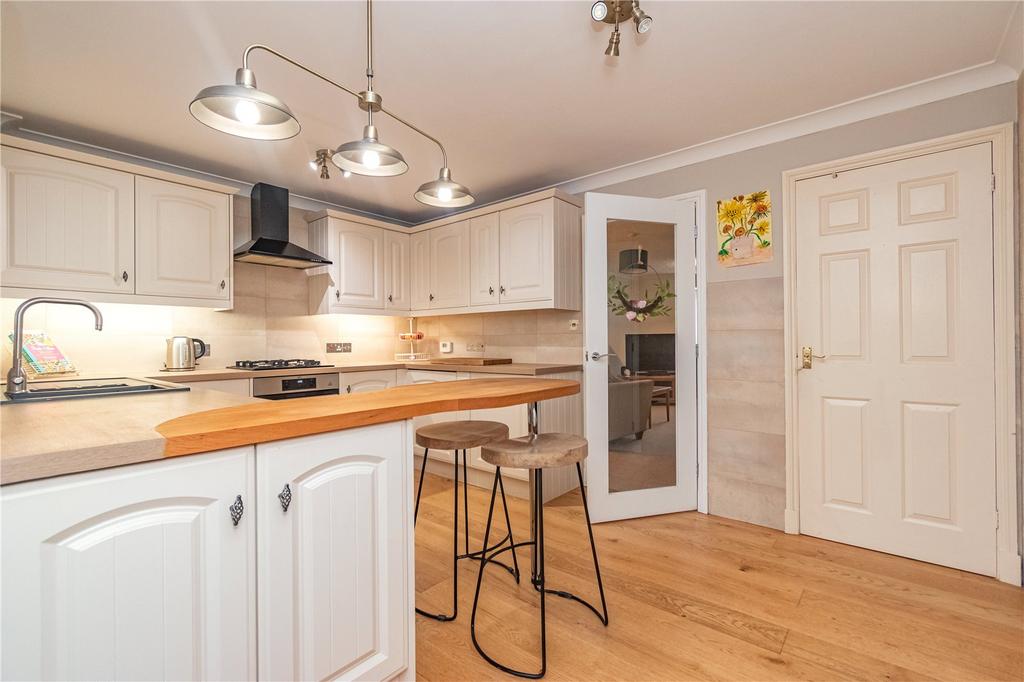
(337, 294)
(490, 291)
(348, 389)
(431, 297)
(285, 496)
(391, 299)
(501, 290)
(223, 284)
(236, 510)
(124, 275)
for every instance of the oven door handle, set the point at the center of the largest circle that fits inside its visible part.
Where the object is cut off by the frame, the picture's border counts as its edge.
(298, 394)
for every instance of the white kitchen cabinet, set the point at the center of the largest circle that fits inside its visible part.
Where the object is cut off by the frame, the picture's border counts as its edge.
(358, 265)
(484, 260)
(396, 271)
(182, 241)
(66, 225)
(335, 595)
(449, 266)
(526, 236)
(419, 255)
(409, 377)
(132, 573)
(241, 387)
(364, 382)
(513, 416)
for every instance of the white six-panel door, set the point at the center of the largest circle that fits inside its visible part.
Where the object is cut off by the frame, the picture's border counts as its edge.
(333, 568)
(896, 423)
(135, 573)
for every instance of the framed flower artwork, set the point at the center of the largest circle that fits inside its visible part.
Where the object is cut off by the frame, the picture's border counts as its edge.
(745, 229)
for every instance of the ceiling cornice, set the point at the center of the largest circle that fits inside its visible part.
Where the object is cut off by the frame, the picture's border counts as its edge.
(934, 89)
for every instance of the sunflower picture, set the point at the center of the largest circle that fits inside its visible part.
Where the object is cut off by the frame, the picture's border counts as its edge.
(745, 229)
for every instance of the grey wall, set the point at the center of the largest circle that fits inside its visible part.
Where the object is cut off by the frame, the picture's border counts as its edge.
(746, 415)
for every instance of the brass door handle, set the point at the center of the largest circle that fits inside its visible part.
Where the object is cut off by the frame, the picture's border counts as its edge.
(807, 357)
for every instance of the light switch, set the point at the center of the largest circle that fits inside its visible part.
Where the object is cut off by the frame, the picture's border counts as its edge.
(447, 346)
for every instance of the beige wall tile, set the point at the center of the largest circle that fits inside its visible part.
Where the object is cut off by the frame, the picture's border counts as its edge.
(745, 501)
(747, 406)
(752, 355)
(745, 304)
(250, 280)
(288, 283)
(519, 322)
(747, 455)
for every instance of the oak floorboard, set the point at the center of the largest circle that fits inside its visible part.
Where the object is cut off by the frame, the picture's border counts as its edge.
(696, 597)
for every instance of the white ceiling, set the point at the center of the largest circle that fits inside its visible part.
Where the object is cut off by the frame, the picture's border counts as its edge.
(519, 92)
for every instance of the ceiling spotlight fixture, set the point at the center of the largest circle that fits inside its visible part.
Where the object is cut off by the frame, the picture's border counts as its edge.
(642, 20)
(616, 11)
(320, 163)
(243, 110)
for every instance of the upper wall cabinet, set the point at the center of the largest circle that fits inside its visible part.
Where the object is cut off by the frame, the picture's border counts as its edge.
(67, 225)
(182, 240)
(449, 266)
(523, 255)
(75, 227)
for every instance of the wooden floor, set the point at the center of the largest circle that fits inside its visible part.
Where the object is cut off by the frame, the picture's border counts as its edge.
(701, 597)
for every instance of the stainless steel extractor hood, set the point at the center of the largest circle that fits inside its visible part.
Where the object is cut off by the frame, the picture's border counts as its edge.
(269, 244)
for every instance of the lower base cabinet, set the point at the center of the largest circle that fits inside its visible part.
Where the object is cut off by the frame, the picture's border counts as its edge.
(135, 573)
(335, 555)
(295, 555)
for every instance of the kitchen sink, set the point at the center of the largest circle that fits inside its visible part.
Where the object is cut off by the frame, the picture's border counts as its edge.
(89, 388)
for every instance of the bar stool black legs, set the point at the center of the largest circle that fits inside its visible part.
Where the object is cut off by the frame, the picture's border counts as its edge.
(537, 577)
(467, 554)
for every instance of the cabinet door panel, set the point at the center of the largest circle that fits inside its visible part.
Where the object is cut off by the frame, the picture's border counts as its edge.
(364, 382)
(409, 377)
(484, 260)
(449, 266)
(66, 225)
(183, 240)
(133, 573)
(513, 416)
(396, 270)
(419, 254)
(334, 596)
(526, 252)
(359, 271)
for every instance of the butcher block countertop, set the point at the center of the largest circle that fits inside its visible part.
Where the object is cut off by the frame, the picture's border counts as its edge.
(220, 374)
(44, 439)
(275, 420)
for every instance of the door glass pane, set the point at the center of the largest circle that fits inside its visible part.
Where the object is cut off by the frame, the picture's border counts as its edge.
(641, 362)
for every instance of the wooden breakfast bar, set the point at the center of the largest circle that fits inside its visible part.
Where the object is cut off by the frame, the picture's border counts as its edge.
(277, 535)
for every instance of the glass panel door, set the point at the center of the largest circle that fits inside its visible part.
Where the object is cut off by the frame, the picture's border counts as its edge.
(641, 372)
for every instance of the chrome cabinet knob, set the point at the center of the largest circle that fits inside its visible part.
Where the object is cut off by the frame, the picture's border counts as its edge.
(236, 510)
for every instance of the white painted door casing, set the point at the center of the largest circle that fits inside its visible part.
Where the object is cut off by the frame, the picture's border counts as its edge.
(896, 424)
(526, 252)
(182, 241)
(484, 260)
(333, 570)
(449, 266)
(66, 225)
(132, 573)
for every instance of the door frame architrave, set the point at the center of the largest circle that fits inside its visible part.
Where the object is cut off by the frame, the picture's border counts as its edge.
(1001, 137)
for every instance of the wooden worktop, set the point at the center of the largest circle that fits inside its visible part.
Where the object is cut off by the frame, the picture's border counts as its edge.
(276, 420)
(222, 373)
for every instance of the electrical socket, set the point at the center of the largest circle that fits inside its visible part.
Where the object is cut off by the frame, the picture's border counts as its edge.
(574, 325)
(343, 347)
(475, 347)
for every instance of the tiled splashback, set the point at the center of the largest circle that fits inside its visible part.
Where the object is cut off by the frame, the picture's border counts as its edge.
(524, 336)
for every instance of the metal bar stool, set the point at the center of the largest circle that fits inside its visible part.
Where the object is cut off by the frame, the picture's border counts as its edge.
(536, 453)
(461, 436)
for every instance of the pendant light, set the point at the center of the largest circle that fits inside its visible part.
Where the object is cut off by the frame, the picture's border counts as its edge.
(615, 11)
(243, 110)
(633, 261)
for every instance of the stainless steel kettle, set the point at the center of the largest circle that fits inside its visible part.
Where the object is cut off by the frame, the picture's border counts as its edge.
(182, 353)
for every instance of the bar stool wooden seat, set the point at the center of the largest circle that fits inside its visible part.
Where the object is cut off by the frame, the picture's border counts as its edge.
(460, 436)
(536, 452)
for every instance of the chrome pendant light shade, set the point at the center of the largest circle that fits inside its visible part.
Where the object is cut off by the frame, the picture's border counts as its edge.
(244, 111)
(369, 156)
(444, 192)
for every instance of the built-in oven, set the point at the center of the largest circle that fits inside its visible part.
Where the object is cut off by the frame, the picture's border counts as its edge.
(296, 386)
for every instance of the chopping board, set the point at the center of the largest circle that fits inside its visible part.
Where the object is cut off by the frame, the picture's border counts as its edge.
(479, 362)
